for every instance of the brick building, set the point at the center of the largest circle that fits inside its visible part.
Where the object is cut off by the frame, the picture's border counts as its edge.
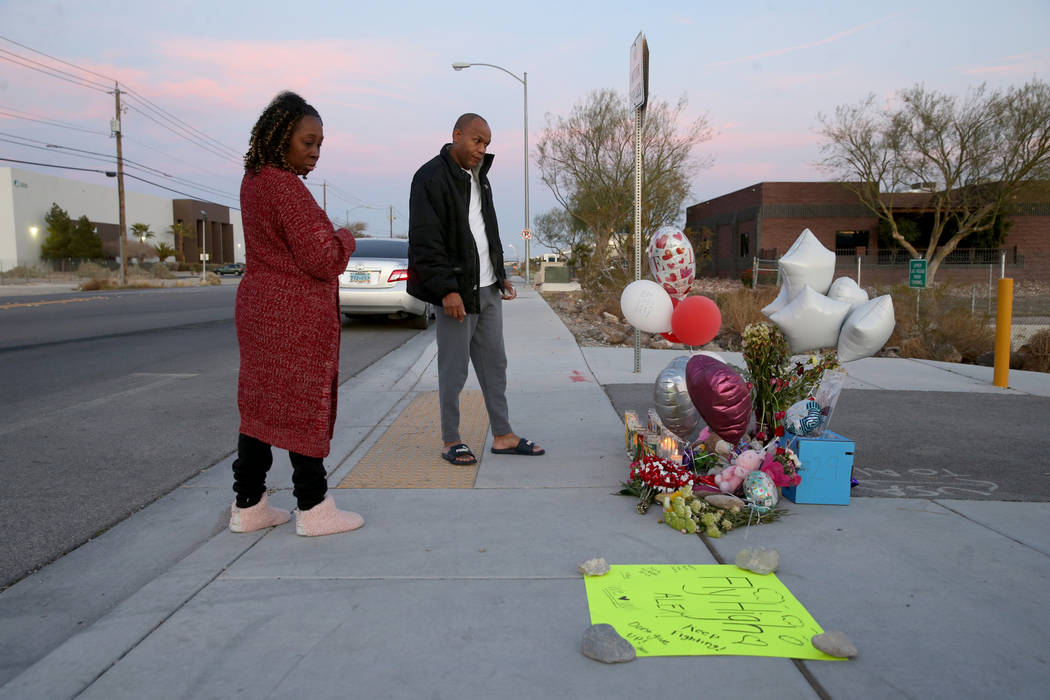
(763, 220)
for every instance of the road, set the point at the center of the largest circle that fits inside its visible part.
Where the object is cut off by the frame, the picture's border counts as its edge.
(112, 399)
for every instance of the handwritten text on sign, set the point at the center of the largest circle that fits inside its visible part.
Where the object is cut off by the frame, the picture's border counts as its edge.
(692, 610)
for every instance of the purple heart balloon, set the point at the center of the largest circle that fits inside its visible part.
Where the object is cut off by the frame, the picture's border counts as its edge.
(720, 395)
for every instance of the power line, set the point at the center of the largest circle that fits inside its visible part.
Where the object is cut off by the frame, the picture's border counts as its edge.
(172, 156)
(107, 173)
(181, 128)
(74, 80)
(196, 142)
(73, 65)
(184, 194)
(110, 159)
(172, 117)
(44, 120)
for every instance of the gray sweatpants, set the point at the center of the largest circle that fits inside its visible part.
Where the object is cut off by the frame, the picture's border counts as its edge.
(479, 337)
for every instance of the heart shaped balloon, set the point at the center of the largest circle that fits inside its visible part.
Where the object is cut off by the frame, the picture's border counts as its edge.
(671, 261)
(673, 405)
(720, 395)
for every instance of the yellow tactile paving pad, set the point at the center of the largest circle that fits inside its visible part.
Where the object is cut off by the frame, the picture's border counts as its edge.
(408, 455)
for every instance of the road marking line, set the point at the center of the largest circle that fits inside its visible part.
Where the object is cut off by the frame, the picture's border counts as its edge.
(22, 304)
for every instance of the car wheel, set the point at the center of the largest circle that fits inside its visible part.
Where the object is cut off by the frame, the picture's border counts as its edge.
(422, 321)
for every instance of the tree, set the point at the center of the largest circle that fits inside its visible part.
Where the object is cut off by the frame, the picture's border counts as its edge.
(557, 230)
(84, 242)
(69, 239)
(973, 156)
(179, 232)
(164, 251)
(141, 232)
(587, 161)
(59, 228)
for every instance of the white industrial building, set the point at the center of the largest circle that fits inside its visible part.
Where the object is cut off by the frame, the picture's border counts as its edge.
(26, 197)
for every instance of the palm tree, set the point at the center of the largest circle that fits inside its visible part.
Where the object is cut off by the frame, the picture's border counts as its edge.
(178, 232)
(164, 251)
(141, 232)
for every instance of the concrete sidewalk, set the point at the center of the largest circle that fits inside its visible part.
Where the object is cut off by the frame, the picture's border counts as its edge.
(471, 593)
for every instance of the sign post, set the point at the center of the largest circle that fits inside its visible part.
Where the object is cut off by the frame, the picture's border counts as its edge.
(917, 273)
(639, 97)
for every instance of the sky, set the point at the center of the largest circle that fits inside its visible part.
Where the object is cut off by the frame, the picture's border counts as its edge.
(196, 76)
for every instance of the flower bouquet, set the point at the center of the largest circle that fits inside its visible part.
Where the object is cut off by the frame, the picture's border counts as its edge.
(776, 381)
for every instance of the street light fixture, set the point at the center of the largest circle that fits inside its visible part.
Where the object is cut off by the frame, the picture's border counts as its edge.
(524, 80)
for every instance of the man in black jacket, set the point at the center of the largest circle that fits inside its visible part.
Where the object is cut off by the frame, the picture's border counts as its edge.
(455, 260)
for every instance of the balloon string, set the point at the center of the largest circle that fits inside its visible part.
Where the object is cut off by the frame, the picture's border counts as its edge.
(752, 511)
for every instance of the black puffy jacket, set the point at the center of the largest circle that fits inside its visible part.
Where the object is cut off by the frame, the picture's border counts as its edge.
(442, 255)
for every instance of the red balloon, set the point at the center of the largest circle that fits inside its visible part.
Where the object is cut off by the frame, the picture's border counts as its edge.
(720, 395)
(696, 320)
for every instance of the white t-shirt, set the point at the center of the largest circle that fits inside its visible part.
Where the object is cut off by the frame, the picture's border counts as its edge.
(486, 276)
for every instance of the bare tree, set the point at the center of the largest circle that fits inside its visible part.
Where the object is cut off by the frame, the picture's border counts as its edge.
(587, 161)
(974, 155)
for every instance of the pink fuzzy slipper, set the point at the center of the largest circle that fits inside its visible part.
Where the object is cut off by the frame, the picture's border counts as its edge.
(259, 516)
(325, 519)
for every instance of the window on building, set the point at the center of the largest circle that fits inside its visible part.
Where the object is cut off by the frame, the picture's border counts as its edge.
(745, 245)
(847, 242)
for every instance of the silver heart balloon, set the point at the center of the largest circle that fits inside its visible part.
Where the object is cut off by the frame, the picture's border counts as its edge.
(673, 404)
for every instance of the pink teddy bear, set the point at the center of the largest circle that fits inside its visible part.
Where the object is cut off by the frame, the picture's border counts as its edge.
(730, 479)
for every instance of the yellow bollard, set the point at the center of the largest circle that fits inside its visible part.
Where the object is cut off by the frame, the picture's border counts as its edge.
(1003, 330)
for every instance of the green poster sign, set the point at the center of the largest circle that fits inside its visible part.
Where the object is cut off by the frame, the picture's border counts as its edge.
(701, 610)
(917, 273)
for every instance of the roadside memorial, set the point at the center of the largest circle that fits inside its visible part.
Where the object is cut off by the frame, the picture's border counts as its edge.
(758, 432)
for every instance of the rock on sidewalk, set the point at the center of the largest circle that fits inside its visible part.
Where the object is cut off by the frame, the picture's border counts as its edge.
(603, 643)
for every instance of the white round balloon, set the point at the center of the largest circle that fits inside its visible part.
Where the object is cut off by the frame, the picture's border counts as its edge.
(647, 306)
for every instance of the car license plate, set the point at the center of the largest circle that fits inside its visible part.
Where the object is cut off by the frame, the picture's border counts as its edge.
(360, 277)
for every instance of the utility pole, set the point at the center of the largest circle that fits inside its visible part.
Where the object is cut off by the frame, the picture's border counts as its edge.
(391, 221)
(324, 195)
(116, 129)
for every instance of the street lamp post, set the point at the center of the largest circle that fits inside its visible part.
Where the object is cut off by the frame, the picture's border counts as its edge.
(204, 244)
(524, 80)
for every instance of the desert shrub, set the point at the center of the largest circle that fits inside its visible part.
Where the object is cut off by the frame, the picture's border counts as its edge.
(972, 336)
(1038, 352)
(92, 270)
(25, 272)
(740, 308)
(765, 277)
(602, 287)
(94, 284)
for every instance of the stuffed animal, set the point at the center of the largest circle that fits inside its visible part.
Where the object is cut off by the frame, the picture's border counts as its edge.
(733, 476)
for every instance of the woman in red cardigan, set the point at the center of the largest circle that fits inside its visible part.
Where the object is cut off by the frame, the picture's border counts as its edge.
(288, 324)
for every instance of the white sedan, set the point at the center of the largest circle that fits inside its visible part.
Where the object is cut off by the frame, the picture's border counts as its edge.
(374, 283)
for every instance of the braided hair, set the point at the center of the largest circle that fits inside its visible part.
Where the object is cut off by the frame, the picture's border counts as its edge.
(273, 132)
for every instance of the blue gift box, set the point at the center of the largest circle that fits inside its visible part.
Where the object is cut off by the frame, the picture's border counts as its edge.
(827, 468)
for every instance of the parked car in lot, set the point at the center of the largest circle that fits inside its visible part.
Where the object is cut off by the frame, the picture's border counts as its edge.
(374, 283)
(230, 269)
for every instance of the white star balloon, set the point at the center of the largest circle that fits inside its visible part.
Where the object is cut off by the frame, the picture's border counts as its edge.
(811, 320)
(867, 329)
(807, 262)
(845, 289)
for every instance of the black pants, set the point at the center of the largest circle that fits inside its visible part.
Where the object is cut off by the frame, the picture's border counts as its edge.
(254, 458)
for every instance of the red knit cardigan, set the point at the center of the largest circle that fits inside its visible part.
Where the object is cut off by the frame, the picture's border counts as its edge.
(287, 314)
